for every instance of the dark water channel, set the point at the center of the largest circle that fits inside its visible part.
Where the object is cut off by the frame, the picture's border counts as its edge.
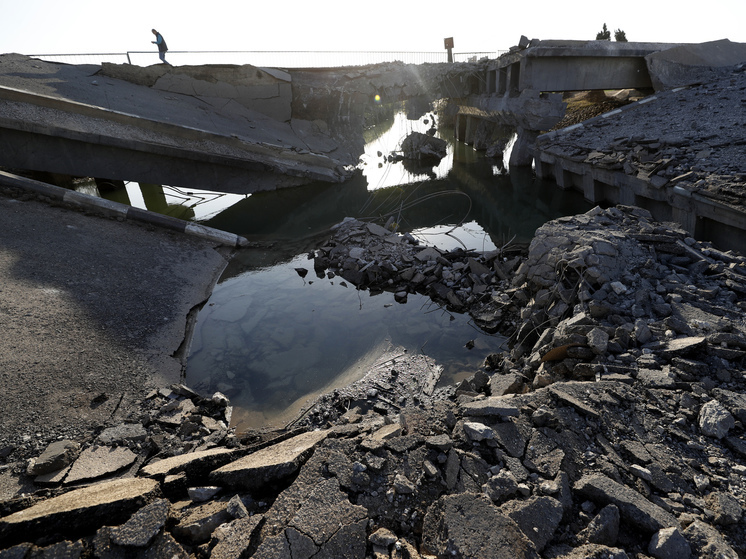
(272, 340)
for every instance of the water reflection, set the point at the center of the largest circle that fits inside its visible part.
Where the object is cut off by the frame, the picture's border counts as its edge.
(272, 339)
(505, 206)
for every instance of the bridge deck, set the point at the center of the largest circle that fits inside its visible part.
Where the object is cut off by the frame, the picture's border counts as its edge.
(66, 119)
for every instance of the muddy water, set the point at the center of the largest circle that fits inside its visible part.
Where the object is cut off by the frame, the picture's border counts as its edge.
(272, 340)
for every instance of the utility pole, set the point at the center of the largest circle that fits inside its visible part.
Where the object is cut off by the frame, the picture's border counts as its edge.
(449, 47)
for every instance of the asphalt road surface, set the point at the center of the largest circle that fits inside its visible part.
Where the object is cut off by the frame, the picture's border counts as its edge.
(93, 313)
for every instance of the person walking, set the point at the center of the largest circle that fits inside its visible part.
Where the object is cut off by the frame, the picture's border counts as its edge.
(162, 47)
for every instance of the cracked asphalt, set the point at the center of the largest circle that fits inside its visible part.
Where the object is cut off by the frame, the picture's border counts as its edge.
(93, 315)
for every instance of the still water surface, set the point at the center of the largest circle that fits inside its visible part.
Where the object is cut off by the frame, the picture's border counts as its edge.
(272, 340)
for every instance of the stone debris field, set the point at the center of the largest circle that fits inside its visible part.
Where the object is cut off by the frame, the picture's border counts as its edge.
(613, 427)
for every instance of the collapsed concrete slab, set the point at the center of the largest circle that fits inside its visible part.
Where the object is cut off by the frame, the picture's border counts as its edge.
(269, 465)
(469, 525)
(686, 65)
(79, 510)
(232, 133)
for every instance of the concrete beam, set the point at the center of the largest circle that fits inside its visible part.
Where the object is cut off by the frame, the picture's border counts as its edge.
(576, 66)
(531, 110)
(584, 73)
(141, 162)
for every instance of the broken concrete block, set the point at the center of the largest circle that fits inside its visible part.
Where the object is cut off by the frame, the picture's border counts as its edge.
(143, 526)
(714, 420)
(98, 461)
(270, 464)
(55, 457)
(80, 510)
(234, 538)
(469, 525)
(494, 406)
(537, 517)
(192, 462)
(124, 433)
(634, 508)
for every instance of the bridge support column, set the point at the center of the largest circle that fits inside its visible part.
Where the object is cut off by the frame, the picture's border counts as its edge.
(684, 211)
(460, 128)
(592, 191)
(522, 154)
(544, 170)
(471, 127)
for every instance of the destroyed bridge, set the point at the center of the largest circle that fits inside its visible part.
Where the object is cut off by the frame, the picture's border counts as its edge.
(243, 129)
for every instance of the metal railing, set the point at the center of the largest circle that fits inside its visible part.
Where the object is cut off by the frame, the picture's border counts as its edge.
(277, 59)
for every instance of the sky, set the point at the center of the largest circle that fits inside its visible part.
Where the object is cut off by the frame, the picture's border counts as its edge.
(87, 26)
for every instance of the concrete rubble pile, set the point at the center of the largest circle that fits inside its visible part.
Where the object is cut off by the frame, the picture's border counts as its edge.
(695, 139)
(373, 257)
(613, 427)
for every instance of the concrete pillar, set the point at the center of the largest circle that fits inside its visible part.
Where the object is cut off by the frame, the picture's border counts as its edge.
(543, 169)
(471, 126)
(522, 154)
(460, 131)
(684, 212)
(491, 82)
(502, 80)
(562, 177)
(515, 78)
(626, 195)
(591, 189)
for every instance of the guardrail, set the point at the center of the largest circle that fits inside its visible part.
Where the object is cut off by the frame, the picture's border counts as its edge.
(277, 59)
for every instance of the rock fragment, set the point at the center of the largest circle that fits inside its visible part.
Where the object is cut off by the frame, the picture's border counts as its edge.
(268, 465)
(469, 525)
(714, 420)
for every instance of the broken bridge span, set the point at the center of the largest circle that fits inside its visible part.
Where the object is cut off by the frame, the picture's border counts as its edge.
(243, 129)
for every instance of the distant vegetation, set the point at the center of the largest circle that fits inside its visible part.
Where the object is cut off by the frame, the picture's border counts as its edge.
(605, 35)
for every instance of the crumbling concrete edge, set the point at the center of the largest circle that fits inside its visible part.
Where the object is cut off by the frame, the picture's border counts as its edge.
(121, 211)
(579, 126)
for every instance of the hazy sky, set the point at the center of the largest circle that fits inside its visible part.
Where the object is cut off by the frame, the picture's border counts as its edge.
(87, 26)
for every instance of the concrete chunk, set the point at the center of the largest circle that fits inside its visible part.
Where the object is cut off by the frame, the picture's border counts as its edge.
(326, 509)
(537, 517)
(80, 510)
(564, 396)
(98, 461)
(141, 529)
(469, 525)
(495, 405)
(126, 432)
(194, 460)
(706, 542)
(55, 457)
(714, 420)
(234, 538)
(269, 464)
(634, 508)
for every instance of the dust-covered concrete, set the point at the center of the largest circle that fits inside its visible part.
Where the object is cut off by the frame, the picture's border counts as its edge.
(93, 313)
